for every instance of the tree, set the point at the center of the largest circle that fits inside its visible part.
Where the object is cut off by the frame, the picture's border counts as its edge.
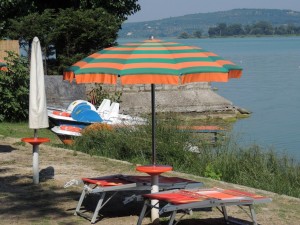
(41, 25)
(11, 9)
(219, 30)
(291, 29)
(120, 8)
(234, 29)
(262, 28)
(67, 29)
(184, 35)
(259, 28)
(297, 30)
(247, 29)
(281, 30)
(82, 32)
(213, 31)
(222, 28)
(197, 34)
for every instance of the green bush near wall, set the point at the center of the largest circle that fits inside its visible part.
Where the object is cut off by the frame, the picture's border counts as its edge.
(14, 89)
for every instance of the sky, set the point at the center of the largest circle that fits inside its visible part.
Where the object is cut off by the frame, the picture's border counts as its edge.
(160, 9)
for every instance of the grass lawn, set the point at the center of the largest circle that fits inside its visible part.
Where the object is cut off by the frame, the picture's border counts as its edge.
(21, 130)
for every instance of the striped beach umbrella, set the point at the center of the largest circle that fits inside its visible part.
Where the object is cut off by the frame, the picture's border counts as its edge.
(152, 62)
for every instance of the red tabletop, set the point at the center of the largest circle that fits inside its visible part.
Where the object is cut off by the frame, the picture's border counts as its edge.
(154, 169)
(35, 141)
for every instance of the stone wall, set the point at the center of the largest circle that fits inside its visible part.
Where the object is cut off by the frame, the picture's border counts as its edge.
(197, 97)
(136, 99)
(61, 93)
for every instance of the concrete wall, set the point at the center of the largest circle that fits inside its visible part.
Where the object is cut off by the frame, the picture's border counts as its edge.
(61, 93)
(189, 98)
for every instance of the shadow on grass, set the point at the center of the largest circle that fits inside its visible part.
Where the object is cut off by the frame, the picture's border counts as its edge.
(6, 149)
(207, 221)
(113, 208)
(21, 198)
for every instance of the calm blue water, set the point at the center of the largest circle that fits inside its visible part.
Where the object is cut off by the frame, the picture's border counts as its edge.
(269, 88)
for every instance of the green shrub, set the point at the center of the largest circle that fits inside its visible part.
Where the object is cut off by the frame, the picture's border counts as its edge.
(98, 93)
(212, 173)
(252, 166)
(14, 89)
(257, 167)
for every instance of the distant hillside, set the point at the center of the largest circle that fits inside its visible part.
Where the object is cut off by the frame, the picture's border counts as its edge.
(172, 27)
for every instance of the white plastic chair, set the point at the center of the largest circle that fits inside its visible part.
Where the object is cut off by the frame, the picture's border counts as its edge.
(104, 106)
(114, 111)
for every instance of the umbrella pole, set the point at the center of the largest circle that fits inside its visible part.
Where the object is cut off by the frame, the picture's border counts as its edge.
(35, 161)
(154, 178)
(154, 202)
(153, 124)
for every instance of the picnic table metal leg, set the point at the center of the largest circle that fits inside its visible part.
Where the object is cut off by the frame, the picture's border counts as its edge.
(142, 214)
(82, 196)
(224, 211)
(172, 217)
(98, 207)
(253, 214)
(216, 137)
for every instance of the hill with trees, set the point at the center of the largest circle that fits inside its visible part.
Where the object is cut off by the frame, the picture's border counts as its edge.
(200, 23)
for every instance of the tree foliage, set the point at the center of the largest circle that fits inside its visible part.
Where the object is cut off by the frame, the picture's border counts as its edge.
(258, 28)
(174, 26)
(11, 9)
(68, 30)
(14, 89)
(81, 32)
(184, 35)
(40, 25)
(197, 34)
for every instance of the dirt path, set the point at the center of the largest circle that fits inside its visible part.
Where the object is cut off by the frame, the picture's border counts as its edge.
(50, 203)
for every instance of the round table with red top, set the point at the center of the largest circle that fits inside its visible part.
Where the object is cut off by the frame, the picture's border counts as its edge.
(35, 142)
(154, 171)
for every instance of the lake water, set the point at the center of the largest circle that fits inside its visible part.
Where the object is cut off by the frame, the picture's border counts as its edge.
(269, 88)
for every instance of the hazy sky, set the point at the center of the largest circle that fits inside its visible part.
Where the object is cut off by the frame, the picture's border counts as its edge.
(159, 9)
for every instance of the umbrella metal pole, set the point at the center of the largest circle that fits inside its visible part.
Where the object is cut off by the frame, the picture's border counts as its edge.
(154, 202)
(35, 161)
(154, 182)
(153, 124)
